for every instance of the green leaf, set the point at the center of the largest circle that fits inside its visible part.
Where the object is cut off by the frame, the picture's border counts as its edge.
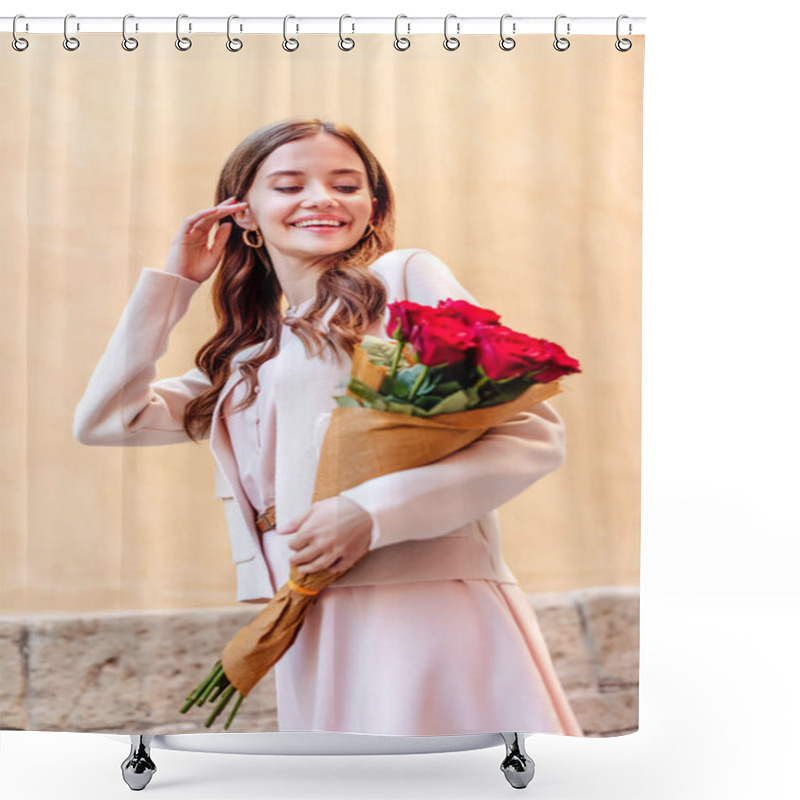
(474, 396)
(458, 401)
(408, 376)
(401, 408)
(395, 387)
(381, 351)
(503, 394)
(426, 402)
(445, 388)
(369, 395)
(427, 387)
(344, 401)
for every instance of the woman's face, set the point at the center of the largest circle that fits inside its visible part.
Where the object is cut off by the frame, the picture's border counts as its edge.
(319, 179)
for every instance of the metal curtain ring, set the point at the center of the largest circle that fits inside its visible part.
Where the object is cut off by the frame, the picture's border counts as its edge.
(290, 44)
(623, 45)
(506, 42)
(561, 44)
(128, 42)
(18, 43)
(182, 42)
(346, 43)
(401, 43)
(234, 45)
(451, 42)
(70, 42)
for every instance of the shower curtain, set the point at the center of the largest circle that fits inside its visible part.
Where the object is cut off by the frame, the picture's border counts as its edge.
(516, 185)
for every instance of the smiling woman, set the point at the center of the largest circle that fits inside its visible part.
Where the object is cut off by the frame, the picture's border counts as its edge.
(310, 198)
(321, 210)
(266, 257)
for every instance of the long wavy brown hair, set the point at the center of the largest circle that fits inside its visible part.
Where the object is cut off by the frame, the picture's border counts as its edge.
(246, 293)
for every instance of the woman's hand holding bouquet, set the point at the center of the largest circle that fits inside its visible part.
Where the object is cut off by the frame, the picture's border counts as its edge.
(333, 534)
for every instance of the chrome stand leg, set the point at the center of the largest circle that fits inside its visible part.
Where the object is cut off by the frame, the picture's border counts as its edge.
(517, 766)
(138, 768)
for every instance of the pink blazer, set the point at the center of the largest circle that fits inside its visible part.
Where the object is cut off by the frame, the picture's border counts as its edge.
(435, 522)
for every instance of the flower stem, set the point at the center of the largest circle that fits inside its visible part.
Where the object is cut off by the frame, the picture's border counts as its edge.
(422, 375)
(233, 713)
(218, 689)
(195, 694)
(210, 677)
(219, 676)
(226, 696)
(396, 359)
(214, 687)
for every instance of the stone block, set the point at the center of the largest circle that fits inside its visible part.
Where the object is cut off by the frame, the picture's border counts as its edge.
(12, 675)
(611, 617)
(562, 628)
(130, 673)
(607, 713)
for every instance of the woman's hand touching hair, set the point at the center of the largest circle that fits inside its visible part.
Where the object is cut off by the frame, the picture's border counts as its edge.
(189, 254)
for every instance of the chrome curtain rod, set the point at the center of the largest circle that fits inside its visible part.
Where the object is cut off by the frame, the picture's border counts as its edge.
(406, 25)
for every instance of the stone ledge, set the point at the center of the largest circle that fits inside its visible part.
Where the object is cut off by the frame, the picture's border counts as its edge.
(593, 637)
(107, 672)
(13, 673)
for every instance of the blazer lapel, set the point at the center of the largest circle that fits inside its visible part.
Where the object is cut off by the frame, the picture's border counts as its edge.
(222, 450)
(304, 389)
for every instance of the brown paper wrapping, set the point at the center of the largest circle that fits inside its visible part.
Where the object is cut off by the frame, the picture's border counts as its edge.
(363, 443)
(360, 444)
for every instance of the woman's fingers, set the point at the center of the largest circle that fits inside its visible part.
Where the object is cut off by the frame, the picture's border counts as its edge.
(225, 207)
(325, 561)
(203, 220)
(190, 253)
(197, 216)
(295, 524)
(221, 236)
(304, 558)
(305, 551)
(313, 552)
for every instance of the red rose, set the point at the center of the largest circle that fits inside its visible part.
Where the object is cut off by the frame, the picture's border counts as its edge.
(467, 313)
(560, 364)
(503, 353)
(403, 316)
(442, 340)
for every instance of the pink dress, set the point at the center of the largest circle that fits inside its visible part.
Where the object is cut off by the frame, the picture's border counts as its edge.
(430, 658)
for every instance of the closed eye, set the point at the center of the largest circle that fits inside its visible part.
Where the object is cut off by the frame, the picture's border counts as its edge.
(348, 189)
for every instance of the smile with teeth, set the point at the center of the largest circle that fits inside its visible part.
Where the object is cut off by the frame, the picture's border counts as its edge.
(308, 223)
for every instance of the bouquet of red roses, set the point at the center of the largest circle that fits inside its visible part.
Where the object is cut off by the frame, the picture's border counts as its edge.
(449, 358)
(453, 372)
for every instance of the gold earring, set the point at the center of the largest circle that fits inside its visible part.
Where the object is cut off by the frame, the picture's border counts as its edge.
(246, 236)
(367, 233)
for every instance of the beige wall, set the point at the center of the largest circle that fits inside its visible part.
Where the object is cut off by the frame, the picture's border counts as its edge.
(521, 170)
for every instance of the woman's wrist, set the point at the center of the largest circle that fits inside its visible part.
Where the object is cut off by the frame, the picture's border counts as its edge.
(179, 275)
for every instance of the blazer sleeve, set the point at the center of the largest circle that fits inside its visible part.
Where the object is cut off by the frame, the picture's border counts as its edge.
(123, 404)
(437, 498)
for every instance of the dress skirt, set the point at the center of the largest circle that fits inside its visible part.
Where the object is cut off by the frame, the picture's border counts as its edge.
(431, 658)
